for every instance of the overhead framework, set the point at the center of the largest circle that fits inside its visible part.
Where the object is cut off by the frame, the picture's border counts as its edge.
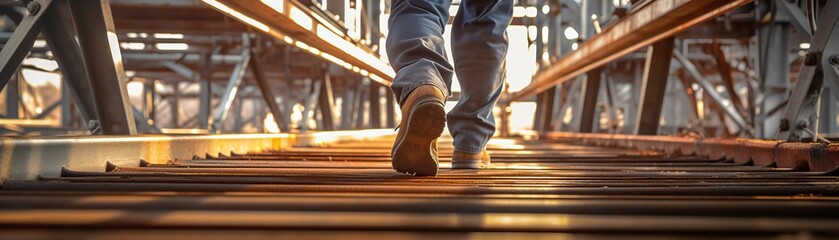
(187, 66)
(296, 24)
(644, 26)
(731, 59)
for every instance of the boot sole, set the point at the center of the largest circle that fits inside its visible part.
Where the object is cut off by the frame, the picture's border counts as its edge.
(412, 153)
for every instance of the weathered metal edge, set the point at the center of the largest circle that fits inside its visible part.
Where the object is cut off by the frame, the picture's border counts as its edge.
(815, 157)
(28, 158)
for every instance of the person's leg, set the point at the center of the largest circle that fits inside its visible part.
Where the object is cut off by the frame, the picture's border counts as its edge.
(415, 46)
(479, 48)
(423, 76)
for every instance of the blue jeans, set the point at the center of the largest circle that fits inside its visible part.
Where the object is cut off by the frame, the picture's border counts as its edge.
(479, 47)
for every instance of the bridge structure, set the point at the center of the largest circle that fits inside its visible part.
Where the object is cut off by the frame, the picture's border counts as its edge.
(274, 118)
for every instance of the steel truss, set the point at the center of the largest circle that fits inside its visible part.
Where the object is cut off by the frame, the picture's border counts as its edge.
(737, 87)
(168, 76)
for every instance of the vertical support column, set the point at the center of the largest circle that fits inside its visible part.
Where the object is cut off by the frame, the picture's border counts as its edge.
(588, 103)
(327, 101)
(205, 90)
(148, 97)
(13, 96)
(545, 110)
(773, 47)
(66, 106)
(656, 71)
(238, 119)
(550, 108)
(540, 22)
(375, 105)
(538, 115)
(258, 113)
(374, 11)
(347, 109)
(610, 102)
(552, 23)
(829, 112)
(103, 61)
(359, 103)
(174, 104)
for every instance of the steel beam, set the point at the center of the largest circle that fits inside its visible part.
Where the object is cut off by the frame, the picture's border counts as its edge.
(205, 89)
(652, 22)
(327, 102)
(66, 106)
(174, 105)
(656, 72)
(360, 108)
(829, 113)
(103, 62)
(61, 38)
(375, 105)
(544, 110)
(799, 20)
(149, 106)
(13, 97)
(793, 155)
(588, 100)
(774, 72)
(711, 91)
(232, 89)
(820, 68)
(310, 105)
(728, 80)
(19, 44)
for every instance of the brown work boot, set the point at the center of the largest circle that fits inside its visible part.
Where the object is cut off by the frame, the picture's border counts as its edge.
(423, 119)
(464, 160)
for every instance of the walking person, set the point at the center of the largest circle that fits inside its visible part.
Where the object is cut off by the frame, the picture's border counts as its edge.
(415, 48)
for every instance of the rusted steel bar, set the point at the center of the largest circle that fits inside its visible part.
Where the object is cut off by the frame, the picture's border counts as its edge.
(710, 190)
(615, 206)
(816, 157)
(444, 222)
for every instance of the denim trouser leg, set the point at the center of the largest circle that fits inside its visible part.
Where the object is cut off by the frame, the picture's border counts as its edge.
(415, 45)
(417, 53)
(479, 48)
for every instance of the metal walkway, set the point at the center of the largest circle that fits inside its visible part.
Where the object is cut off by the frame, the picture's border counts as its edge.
(536, 189)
